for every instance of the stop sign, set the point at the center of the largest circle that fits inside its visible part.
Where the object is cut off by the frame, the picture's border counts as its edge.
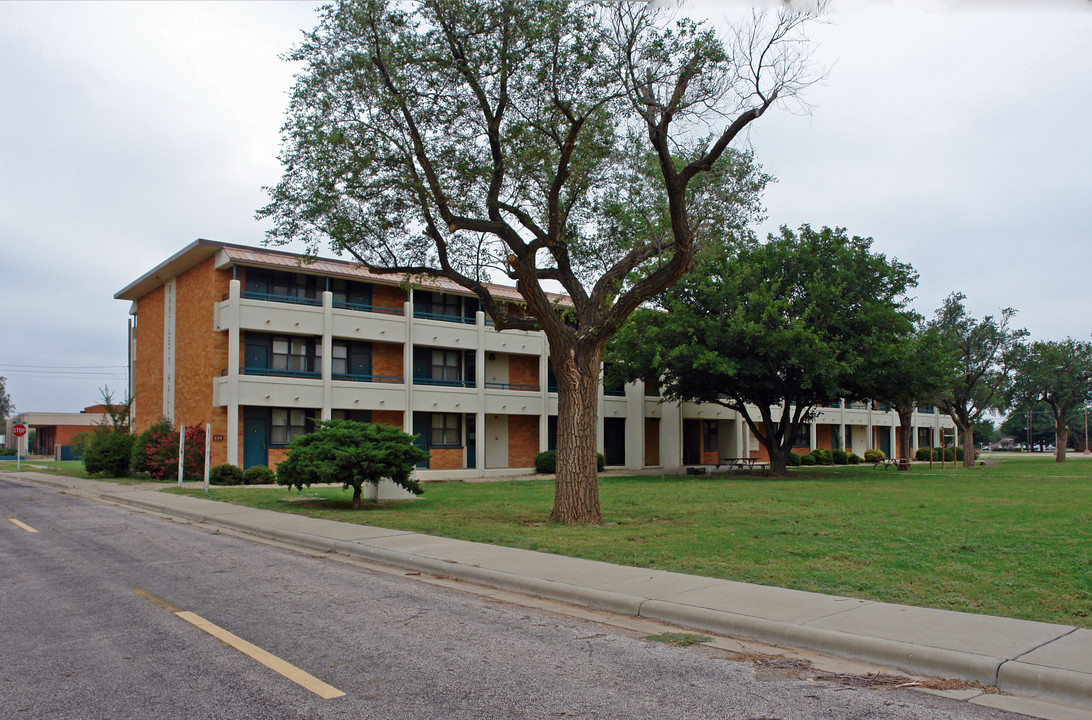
(19, 430)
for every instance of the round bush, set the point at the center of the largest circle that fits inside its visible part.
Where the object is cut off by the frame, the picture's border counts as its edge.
(923, 454)
(839, 457)
(108, 453)
(546, 462)
(853, 459)
(259, 475)
(600, 462)
(807, 459)
(874, 455)
(822, 457)
(792, 460)
(225, 475)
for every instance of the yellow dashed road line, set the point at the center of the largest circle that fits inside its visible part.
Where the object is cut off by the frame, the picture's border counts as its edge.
(271, 661)
(23, 525)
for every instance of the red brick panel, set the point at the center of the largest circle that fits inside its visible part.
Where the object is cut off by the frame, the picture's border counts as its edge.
(446, 459)
(824, 436)
(388, 296)
(523, 370)
(148, 362)
(387, 360)
(522, 440)
(393, 418)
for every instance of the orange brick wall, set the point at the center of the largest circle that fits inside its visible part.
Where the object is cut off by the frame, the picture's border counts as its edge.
(387, 360)
(522, 440)
(148, 362)
(276, 456)
(388, 296)
(523, 370)
(823, 436)
(445, 459)
(393, 418)
(200, 351)
(652, 441)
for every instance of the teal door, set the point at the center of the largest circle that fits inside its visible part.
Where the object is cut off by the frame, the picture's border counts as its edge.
(471, 441)
(422, 425)
(255, 441)
(885, 442)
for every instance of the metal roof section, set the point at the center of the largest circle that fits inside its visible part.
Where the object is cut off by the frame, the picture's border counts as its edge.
(228, 255)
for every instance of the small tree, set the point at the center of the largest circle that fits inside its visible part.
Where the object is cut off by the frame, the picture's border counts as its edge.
(352, 453)
(115, 412)
(1057, 373)
(108, 453)
(6, 406)
(980, 355)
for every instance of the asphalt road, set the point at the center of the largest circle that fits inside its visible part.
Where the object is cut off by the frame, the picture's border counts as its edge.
(88, 629)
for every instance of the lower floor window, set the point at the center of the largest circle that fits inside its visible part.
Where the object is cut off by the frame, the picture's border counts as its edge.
(445, 430)
(287, 425)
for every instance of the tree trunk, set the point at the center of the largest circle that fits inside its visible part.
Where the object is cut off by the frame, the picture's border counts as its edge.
(1061, 436)
(906, 434)
(356, 497)
(968, 446)
(576, 493)
(779, 461)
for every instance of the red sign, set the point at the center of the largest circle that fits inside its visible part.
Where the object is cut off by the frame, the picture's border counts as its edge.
(19, 430)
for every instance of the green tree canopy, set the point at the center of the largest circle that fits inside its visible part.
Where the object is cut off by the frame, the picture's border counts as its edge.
(351, 453)
(1057, 374)
(574, 143)
(980, 355)
(798, 321)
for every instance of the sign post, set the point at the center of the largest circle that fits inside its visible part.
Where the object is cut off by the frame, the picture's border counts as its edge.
(19, 430)
(181, 453)
(208, 442)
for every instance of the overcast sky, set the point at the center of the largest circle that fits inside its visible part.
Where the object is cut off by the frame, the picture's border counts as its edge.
(954, 133)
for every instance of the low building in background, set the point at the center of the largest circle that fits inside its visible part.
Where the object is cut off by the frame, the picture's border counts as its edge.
(52, 432)
(260, 343)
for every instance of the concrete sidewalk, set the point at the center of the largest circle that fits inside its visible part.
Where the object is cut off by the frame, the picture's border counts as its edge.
(1049, 662)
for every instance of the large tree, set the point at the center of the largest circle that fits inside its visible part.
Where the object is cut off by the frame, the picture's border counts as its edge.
(1055, 373)
(558, 143)
(795, 322)
(980, 353)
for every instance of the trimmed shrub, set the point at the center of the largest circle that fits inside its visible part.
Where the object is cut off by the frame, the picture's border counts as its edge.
(923, 454)
(839, 457)
(792, 460)
(807, 459)
(259, 475)
(822, 456)
(853, 459)
(874, 455)
(9, 452)
(546, 462)
(108, 453)
(225, 474)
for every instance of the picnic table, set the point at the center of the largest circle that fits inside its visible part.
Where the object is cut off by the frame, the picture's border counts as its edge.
(901, 464)
(742, 463)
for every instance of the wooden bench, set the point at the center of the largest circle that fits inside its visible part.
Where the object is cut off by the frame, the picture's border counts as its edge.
(748, 464)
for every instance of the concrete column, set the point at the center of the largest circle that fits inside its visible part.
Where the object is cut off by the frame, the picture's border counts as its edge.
(813, 435)
(544, 386)
(914, 432)
(327, 354)
(893, 438)
(479, 382)
(670, 434)
(234, 319)
(407, 364)
(599, 444)
(635, 425)
(741, 430)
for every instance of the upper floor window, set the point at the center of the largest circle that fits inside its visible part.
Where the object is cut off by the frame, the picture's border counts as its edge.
(352, 359)
(277, 354)
(443, 306)
(282, 286)
(349, 293)
(436, 366)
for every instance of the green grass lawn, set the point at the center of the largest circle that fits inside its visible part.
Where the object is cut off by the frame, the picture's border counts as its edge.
(1013, 538)
(69, 468)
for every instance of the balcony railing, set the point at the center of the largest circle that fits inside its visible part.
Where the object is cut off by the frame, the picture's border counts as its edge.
(270, 297)
(856, 406)
(421, 314)
(443, 383)
(361, 307)
(397, 379)
(512, 386)
(270, 372)
(619, 392)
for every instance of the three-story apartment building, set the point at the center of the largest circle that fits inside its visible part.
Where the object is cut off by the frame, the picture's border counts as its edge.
(261, 343)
